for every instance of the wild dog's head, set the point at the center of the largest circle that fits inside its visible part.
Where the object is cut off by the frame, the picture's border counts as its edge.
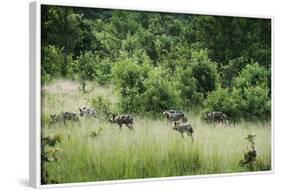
(167, 114)
(82, 111)
(53, 118)
(113, 118)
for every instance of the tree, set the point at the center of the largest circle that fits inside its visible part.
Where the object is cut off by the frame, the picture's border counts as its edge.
(61, 27)
(87, 64)
(251, 75)
(232, 69)
(222, 100)
(228, 38)
(205, 72)
(160, 94)
(52, 61)
(129, 79)
(186, 83)
(252, 92)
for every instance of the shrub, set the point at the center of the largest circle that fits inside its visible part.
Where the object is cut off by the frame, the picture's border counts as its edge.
(253, 103)
(102, 106)
(93, 67)
(49, 154)
(46, 78)
(251, 75)
(186, 83)
(221, 100)
(130, 101)
(248, 99)
(128, 74)
(252, 92)
(205, 72)
(87, 68)
(232, 70)
(103, 72)
(251, 160)
(52, 62)
(87, 65)
(160, 93)
(128, 78)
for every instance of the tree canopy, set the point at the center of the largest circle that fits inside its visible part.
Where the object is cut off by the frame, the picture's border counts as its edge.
(161, 60)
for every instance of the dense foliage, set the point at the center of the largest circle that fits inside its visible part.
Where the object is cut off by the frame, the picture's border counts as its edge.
(159, 61)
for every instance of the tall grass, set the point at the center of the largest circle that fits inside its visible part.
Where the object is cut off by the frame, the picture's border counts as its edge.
(153, 150)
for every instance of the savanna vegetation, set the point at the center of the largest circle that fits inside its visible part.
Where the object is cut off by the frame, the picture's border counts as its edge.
(142, 63)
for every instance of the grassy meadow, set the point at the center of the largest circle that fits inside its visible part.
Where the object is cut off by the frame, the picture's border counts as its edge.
(94, 149)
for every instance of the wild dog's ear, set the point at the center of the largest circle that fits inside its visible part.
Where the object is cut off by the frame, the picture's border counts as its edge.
(81, 112)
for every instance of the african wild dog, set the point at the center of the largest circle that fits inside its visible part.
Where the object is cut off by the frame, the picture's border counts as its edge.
(216, 117)
(168, 113)
(173, 115)
(123, 119)
(87, 112)
(63, 117)
(176, 116)
(71, 116)
(184, 128)
(56, 118)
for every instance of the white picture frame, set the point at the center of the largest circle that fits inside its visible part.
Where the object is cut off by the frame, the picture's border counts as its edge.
(35, 93)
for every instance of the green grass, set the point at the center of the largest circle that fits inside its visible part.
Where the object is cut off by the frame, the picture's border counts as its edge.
(153, 150)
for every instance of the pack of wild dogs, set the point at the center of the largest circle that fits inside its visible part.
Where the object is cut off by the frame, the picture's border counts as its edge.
(178, 118)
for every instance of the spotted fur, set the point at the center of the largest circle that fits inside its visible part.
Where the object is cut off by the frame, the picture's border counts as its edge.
(173, 115)
(216, 117)
(184, 128)
(88, 112)
(63, 117)
(123, 119)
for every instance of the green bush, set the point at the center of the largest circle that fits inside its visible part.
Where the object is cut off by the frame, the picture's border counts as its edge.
(249, 99)
(205, 72)
(252, 92)
(222, 100)
(52, 62)
(186, 83)
(129, 79)
(252, 75)
(87, 65)
(131, 101)
(46, 78)
(160, 93)
(232, 70)
(253, 103)
(93, 67)
(102, 106)
(103, 72)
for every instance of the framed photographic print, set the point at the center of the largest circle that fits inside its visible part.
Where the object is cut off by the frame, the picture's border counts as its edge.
(132, 94)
